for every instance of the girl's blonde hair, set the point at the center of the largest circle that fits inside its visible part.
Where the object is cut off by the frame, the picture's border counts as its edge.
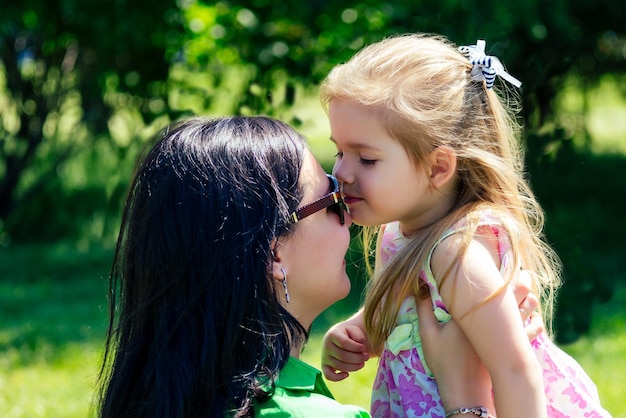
(419, 87)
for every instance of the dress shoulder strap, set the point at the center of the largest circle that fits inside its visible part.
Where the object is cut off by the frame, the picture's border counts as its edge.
(486, 217)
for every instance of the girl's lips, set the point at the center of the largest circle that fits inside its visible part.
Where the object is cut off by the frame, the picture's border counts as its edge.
(351, 200)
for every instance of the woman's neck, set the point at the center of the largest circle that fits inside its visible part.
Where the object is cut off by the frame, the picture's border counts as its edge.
(295, 352)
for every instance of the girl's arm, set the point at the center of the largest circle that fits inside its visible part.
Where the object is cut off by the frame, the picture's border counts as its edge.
(345, 348)
(486, 311)
(462, 379)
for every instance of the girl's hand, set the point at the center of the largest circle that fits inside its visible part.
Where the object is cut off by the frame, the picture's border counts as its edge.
(344, 349)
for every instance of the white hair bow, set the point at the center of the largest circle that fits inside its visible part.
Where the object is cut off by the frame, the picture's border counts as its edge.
(486, 67)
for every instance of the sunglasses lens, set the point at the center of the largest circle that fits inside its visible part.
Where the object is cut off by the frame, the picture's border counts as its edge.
(337, 208)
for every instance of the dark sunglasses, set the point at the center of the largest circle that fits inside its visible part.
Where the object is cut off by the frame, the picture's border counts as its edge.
(333, 201)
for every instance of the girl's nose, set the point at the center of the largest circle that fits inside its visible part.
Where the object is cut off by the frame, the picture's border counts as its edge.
(340, 170)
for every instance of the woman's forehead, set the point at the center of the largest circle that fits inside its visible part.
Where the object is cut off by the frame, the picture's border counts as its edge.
(312, 178)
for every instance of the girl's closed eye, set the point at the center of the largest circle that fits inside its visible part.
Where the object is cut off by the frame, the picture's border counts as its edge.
(339, 155)
(365, 161)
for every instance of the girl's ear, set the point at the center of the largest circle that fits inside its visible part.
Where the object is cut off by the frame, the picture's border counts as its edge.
(442, 165)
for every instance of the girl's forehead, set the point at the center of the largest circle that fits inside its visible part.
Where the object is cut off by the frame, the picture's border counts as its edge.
(355, 126)
(365, 143)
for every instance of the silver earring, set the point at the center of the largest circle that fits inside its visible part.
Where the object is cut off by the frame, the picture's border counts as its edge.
(285, 284)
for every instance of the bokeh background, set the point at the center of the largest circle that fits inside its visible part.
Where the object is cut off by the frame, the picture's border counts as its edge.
(85, 83)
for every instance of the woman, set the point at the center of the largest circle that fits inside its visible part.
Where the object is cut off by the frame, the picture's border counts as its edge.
(232, 241)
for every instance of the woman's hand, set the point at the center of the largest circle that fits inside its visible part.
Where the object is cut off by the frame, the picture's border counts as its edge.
(528, 302)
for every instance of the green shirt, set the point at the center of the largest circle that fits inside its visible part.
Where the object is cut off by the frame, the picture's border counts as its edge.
(301, 392)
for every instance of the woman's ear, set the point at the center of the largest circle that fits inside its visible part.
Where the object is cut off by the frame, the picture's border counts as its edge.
(277, 265)
(442, 162)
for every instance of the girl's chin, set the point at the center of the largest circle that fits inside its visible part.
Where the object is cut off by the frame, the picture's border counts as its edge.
(360, 219)
(363, 222)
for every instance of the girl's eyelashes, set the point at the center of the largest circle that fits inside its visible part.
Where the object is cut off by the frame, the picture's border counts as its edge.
(363, 161)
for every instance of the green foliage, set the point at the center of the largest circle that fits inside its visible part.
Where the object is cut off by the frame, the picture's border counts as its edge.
(316, 36)
(76, 73)
(66, 66)
(585, 225)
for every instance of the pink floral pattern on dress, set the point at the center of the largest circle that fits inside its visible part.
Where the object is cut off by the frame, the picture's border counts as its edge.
(404, 387)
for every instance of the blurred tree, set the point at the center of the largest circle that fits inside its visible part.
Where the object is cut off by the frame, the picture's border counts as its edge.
(62, 63)
(542, 42)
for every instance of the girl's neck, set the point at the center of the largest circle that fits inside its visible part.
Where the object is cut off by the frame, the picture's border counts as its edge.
(442, 204)
(412, 233)
(421, 228)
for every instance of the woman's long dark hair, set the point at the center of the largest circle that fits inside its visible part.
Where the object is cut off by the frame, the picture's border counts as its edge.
(196, 329)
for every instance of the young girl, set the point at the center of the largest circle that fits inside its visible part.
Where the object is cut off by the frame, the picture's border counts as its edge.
(428, 150)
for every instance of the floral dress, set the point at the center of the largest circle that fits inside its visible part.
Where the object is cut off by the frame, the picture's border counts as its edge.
(405, 387)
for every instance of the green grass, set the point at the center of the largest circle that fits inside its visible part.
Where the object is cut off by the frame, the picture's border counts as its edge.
(53, 318)
(52, 322)
(59, 388)
(602, 351)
